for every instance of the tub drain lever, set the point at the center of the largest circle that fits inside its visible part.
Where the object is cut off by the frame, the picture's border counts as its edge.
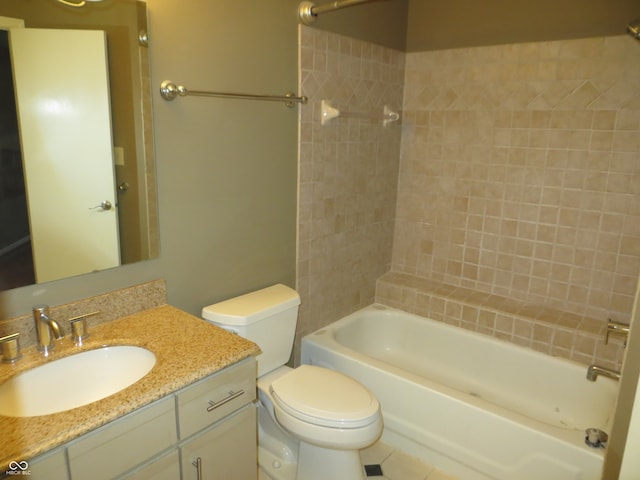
(596, 438)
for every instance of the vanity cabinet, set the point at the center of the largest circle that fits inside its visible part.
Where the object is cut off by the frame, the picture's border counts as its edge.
(206, 431)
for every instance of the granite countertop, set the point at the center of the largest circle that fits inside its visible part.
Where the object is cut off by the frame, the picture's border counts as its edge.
(186, 348)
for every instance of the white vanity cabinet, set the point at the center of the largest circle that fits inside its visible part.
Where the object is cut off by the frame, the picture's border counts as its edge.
(206, 431)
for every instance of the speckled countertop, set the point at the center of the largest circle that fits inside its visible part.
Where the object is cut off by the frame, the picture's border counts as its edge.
(186, 348)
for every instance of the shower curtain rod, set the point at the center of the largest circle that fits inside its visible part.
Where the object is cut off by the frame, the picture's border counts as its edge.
(308, 11)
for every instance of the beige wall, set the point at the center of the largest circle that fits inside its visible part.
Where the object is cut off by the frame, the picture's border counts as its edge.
(348, 174)
(519, 173)
(505, 188)
(518, 180)
(436, 25)
(226, 169)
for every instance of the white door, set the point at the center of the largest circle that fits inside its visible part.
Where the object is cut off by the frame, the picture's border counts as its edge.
(62, 96)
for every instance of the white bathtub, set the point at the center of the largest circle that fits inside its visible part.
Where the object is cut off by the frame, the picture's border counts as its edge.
(472, 405)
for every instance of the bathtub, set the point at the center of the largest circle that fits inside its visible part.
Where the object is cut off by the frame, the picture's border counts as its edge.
(472, 405)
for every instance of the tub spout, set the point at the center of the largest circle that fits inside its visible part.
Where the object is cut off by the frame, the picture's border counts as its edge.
(594, 370)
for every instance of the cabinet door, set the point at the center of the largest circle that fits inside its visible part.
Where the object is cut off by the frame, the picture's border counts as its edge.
(50, 466)
(227, 451)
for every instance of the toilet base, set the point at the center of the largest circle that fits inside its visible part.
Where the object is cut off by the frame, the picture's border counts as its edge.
(277, 451)
(318, 463)
(285, 458)
(274, 467)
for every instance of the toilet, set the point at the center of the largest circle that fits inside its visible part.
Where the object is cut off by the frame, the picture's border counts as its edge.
(312, 421)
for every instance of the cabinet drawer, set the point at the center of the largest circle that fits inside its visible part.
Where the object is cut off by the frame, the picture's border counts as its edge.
(120, 446)
(215, 397)
(164, 468)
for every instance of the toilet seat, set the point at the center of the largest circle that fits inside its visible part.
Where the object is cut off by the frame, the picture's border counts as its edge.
(324, 397)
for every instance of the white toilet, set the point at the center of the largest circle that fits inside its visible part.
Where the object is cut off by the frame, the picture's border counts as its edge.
(312, 421)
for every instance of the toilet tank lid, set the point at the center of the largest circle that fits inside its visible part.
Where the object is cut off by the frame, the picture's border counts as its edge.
(252, 307)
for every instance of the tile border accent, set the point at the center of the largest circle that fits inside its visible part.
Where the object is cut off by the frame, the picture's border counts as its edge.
(540, 328)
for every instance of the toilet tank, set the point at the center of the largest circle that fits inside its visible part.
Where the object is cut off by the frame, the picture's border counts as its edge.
(267, 317)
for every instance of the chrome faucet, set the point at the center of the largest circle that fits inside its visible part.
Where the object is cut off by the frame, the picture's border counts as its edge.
(45, 326)
(594, 370)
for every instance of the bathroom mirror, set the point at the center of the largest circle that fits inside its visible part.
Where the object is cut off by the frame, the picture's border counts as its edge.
(130, 201)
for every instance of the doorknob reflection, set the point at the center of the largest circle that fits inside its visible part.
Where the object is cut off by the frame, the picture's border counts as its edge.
(104, 205)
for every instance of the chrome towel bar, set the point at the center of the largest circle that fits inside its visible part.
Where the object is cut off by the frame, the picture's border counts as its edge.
(169, 91)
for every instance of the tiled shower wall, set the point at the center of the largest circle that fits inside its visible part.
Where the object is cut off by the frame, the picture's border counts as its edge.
(517, 199)
(347, 174)
(519, 175)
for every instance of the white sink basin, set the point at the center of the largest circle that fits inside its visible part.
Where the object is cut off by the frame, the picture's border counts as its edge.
(74, 381)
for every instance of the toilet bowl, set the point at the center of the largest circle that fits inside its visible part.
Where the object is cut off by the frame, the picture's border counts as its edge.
(329, 416)
(312, 421)
(326, 408)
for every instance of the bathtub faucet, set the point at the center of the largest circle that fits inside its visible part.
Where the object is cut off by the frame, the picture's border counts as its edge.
(594, 370)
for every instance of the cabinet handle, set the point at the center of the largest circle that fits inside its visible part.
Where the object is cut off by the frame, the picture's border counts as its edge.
(232, 395)
(198, 464)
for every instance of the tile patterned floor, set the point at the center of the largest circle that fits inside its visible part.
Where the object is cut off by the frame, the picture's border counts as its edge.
(396, 465)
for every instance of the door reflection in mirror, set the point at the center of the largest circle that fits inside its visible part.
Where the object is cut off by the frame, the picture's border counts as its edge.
(62, 98)
(135, 204)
